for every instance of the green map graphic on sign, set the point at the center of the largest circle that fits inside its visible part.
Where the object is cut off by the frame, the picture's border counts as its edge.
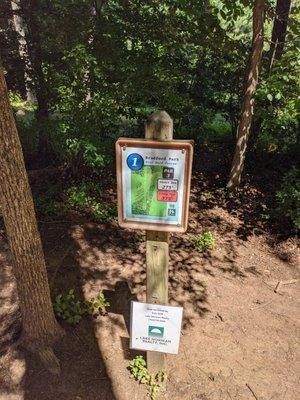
(144, 192)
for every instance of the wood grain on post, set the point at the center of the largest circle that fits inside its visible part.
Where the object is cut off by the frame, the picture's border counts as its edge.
(159, 126)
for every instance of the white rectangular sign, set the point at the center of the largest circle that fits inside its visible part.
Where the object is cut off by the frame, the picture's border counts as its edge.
(155, 327)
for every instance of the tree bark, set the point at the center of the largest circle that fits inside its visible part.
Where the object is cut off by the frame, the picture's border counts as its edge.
(40, 329)
(31, 10)
(20, 28)
(251, 79)
(283, 8)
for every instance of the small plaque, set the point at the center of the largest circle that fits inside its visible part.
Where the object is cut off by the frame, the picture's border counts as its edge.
(155, 327)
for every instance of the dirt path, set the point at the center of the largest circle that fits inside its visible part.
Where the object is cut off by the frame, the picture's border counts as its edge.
(239, 338)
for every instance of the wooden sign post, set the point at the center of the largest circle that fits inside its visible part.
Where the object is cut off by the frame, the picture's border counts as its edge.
(153, 178)
(158, 127)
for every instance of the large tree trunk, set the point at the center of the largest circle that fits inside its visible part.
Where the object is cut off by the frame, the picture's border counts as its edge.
(279, 30)
(251, 79)
(20, 28)
(40, 329)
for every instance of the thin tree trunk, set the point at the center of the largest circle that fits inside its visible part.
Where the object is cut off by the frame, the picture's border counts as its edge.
(252, 72)
(283, 8)
(20, 28)
(40, 329)
(30, 10)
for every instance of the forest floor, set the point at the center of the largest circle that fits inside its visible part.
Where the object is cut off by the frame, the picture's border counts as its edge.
(240, 338)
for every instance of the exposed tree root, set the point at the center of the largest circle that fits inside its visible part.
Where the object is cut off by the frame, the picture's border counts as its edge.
(49, 360)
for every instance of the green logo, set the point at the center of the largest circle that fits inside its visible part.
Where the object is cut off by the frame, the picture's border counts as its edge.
(155, 331)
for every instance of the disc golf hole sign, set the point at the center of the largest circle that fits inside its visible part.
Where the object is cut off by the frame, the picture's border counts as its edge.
(153, 179)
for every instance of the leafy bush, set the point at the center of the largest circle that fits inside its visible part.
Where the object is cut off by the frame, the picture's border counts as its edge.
(17, 103)
(99, 303)
(68, 307)
(288, 197)
(204, 241)
(84, 198)
(49, 203)
(72, 310)
(139, 371)
(278, 104)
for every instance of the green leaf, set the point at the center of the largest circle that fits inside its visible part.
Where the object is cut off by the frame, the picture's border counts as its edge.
(269, 97)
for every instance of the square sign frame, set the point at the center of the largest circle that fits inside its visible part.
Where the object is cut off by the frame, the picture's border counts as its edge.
(153, 183)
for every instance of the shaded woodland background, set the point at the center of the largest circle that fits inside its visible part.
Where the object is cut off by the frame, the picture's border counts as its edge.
(82, 73)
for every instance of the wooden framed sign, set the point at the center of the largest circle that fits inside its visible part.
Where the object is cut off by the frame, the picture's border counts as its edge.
(153, 179)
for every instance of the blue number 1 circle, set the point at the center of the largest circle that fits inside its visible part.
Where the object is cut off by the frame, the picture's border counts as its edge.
(135, 161)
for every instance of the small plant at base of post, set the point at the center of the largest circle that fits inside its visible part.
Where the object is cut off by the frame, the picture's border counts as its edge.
(99, 303)
(204, 242)
(139, 372)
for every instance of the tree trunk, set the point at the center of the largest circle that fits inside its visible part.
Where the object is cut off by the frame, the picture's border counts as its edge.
(251, 79)
(40, 329)
(279, 30)
(20, 28)
(30, 10)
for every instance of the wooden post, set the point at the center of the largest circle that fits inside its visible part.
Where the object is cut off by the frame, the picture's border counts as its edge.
(159, 126)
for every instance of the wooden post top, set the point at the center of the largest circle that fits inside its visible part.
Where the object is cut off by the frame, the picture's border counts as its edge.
(159, 126)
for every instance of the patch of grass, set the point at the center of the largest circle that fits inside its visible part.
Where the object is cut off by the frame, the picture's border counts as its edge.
(203, 242)
(138, 370)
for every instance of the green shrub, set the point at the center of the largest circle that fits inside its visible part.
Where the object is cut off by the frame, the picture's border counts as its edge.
(68, 307)
(204, 241)
(50, 203)
(95, 304)
(71, 310)
(138, 370)
(288, 197)
(17, 103)
(85, 198)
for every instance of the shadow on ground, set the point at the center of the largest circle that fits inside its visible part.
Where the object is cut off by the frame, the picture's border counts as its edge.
(83, 374)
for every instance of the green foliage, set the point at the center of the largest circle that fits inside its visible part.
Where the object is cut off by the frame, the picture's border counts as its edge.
(107, 66)
(288, 197)
(17, 103)
(49, 202)
(99, 303)
(139, 372)
(203, 242)
(68, 307)
(278, 94)
(85, 198)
